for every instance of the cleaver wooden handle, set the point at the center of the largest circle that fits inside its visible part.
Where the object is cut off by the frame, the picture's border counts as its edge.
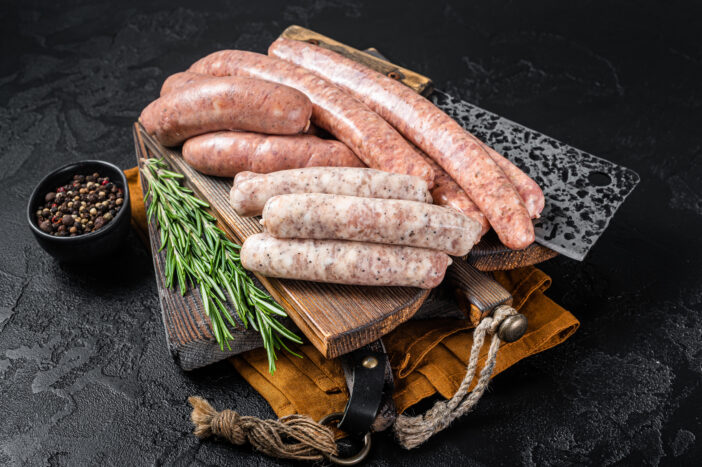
(479, 295)
(377, 62)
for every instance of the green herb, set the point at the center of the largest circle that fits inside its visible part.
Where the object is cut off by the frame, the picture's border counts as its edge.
(200, 254)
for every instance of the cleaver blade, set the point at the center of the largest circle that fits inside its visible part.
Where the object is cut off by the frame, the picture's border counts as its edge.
(582, 191)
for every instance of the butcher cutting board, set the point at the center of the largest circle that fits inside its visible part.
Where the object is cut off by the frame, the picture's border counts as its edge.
(335, 318)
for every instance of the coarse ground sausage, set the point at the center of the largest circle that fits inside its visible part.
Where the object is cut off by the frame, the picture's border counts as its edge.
(373, 140)
(528, 189)
(230, 103)
(437, 134)
(226, 153)
(343, 262)
(251, 191)
(389, 221)
(180, 80)
(446, 192)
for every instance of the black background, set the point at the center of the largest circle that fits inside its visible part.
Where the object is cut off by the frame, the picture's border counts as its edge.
(85, 377)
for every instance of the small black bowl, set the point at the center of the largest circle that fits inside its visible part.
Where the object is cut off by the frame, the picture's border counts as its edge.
(90, 246)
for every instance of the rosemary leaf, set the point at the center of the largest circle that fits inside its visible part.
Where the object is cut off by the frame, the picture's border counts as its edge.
(199, 253)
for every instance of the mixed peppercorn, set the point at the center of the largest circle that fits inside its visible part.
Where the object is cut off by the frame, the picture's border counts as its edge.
(85, 204)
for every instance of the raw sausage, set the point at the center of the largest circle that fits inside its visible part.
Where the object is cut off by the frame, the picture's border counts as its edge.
(343, 262)
(230, 103)
(180, 80)
(227, 153)
(446, 192)
(373, 140)
(390, 221)
(437, 134)
(251, 191)
(528, 189)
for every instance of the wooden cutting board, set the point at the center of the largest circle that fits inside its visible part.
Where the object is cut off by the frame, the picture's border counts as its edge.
(335, 318)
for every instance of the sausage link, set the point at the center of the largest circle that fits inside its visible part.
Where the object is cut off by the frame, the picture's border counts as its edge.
(230, 103)
(340, 262)
(180, 80)
(446, 192)
(226, 153)
(528, 189)
(373, 140)
(437, 134)
(251, 191)
(390, 221)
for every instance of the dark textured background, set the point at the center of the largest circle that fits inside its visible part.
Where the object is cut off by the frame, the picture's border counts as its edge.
(85, 374)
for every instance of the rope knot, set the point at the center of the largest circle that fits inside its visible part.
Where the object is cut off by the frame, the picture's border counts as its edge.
(293, 437)
(227, 424)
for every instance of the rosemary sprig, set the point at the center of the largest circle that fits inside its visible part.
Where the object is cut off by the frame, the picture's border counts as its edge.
(200, 254)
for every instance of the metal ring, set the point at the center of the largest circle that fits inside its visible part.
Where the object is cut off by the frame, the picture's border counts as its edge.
(356, 458)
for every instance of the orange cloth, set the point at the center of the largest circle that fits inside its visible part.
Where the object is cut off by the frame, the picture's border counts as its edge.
(136, 202)
(427, 356)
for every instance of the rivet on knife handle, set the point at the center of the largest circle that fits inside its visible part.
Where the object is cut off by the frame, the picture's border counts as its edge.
(513, 327)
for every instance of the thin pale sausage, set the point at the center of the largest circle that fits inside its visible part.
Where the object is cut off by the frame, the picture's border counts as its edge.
(341, 262)
(373, 140)
(230, 103)
(226, 153)
(251, 191)
(437, 134)
(389, 221)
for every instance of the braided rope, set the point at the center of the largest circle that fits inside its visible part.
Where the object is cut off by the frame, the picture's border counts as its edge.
(411, 431)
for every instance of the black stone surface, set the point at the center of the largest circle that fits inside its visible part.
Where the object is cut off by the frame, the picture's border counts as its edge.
(85, 377)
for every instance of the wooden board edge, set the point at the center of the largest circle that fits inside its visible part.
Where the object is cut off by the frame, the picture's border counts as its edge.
(374, 330)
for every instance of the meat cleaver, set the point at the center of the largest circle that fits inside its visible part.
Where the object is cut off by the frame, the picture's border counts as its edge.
(582, 191)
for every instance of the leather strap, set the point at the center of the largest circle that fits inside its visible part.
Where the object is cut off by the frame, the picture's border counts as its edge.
(365, 371)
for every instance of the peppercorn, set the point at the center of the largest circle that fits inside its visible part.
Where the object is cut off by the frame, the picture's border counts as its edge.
(85, 204)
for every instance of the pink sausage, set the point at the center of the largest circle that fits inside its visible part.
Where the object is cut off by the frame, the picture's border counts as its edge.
(231, 103)
(446, 192)
(226, 153)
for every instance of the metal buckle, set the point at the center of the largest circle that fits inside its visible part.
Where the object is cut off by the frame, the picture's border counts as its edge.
(356, 458)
